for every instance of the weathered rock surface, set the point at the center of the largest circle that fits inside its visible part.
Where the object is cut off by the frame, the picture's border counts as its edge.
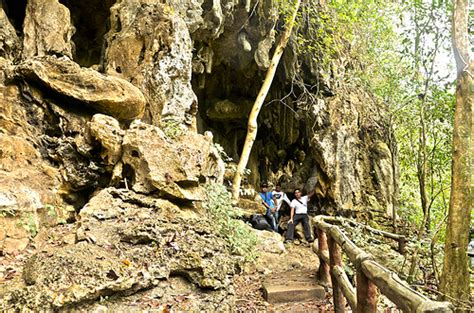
(9, 41)
(27, 187)
(149, 45)
(47, 29)
(127, 242)
(227, 110)
(107, 131)
(84, 87)
(63, 277)
(173, 168)
(353, 166)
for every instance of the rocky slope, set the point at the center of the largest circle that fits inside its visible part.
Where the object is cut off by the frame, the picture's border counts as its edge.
(105, 116)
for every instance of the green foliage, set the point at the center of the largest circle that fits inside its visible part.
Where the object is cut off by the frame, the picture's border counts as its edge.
(172, 128)
(29, 223)
(242, 240)
(424, 108)
(398, 52)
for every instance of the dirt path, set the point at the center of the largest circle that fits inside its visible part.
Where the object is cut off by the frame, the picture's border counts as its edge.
(249, 291)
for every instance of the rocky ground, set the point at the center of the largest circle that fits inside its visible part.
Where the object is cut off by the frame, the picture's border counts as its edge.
(176, 292)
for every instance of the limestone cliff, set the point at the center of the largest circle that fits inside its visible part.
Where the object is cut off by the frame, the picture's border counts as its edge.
(105, 117)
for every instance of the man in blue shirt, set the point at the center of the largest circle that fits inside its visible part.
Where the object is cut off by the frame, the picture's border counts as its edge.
(270, 204)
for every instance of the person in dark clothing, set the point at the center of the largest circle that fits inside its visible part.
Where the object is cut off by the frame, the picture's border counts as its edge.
(270, 204)
(299, 213)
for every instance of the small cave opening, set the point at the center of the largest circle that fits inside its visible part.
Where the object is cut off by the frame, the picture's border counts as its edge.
(15, 11)
(91, 20)
(128, 175)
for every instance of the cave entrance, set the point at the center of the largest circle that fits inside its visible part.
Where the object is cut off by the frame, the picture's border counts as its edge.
(280, 153)
(91, 19)
(15, 11)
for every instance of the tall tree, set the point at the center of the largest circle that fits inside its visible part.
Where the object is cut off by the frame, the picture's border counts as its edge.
(455, 277)
(252, 125)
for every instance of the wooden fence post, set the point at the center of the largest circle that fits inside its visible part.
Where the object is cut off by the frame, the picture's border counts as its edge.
(323, 274)
(401, 245)
(335, 259)
(366, 294)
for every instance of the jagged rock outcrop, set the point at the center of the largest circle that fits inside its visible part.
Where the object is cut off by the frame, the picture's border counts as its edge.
(354, 164)
(106, 130)
(83, 86)
(174, 168)
(149, 45)
(9, 41)
(47, 29)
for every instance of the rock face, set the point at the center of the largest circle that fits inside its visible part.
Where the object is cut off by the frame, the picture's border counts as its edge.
(149, 45)
(10, 43)
(354, 164)
(105, 94)
(175, 168)
(27, 196)
(47, 29)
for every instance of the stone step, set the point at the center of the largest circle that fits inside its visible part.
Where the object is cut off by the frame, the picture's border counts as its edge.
(292, 287)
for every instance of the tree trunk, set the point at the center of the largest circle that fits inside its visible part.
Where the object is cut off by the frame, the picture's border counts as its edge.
(252, 123)
(455, 277)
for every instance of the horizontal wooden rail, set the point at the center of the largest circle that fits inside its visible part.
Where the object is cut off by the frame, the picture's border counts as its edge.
(399, 238)
(370, 276)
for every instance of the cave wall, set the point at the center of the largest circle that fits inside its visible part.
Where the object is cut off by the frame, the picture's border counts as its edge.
(197, 65)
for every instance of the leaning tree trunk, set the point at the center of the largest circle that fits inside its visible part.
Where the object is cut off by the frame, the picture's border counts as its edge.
(455, 277)
(252, 123)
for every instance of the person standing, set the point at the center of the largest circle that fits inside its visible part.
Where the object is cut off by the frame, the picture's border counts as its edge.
(279, 196)
(270, 204)
(299, 213)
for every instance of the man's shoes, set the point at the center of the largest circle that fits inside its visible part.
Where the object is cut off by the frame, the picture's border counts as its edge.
(310, 240)
(287, 241)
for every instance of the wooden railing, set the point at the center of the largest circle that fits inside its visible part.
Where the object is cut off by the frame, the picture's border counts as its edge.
(400, 239)
(370, 276)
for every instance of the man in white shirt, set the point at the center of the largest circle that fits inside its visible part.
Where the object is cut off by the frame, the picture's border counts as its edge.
(299, 213)
(279, 196)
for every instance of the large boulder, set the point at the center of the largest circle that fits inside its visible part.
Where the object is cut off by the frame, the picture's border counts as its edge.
(47, 29)
(149, 45)
(175, 168)
(84, 87)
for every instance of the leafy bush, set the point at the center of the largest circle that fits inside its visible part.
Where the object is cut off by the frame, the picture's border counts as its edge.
(242, 241)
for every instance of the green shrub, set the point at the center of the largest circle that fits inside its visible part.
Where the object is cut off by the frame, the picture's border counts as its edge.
(242, 241)
(172, 128)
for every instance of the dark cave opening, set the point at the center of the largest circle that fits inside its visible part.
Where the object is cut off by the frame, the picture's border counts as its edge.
(280, 152)
(91, 19)
(15, 11)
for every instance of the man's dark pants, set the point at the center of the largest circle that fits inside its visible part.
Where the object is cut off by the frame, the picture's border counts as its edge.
(291, 227)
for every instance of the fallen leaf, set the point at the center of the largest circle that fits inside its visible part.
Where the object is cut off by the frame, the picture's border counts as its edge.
(126, 263)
